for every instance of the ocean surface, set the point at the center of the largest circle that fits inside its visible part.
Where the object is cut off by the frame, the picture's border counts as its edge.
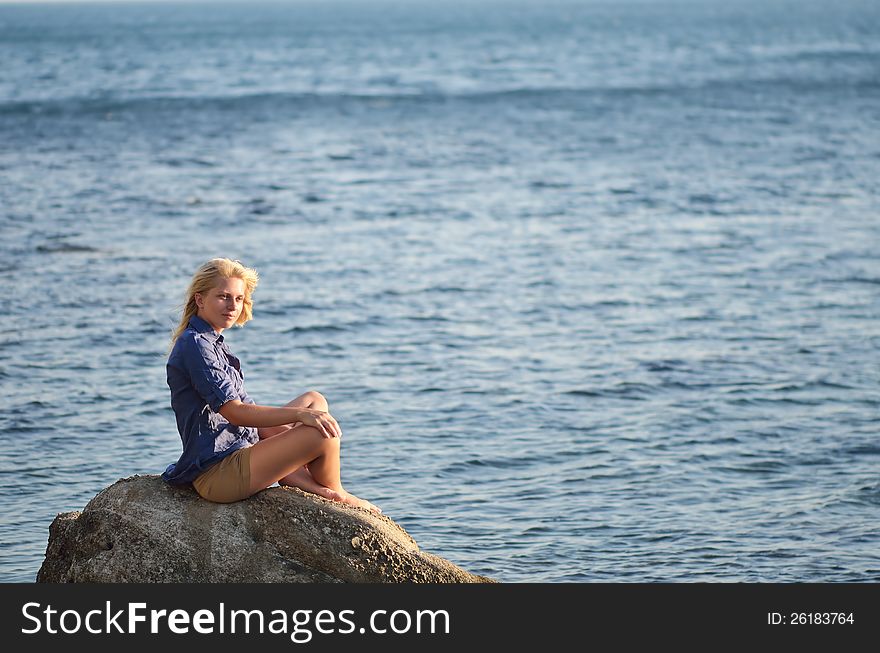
(593, 288)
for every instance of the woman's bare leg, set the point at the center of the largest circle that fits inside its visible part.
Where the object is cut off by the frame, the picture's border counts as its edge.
(310, 399)
(281, 457)
(301, 477)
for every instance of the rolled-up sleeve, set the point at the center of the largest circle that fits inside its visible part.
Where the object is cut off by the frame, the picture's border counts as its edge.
(207, 374)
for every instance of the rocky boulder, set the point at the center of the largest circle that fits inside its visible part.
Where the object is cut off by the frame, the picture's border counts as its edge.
(142, 530)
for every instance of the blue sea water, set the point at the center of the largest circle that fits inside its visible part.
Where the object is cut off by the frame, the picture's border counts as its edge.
(592, 287)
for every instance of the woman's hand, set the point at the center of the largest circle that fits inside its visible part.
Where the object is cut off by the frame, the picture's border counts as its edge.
(321, 420)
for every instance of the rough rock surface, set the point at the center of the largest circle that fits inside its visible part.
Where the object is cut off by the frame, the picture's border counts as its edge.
(142, 530)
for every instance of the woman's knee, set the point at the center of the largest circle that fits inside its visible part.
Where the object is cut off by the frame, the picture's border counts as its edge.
(316, 400)
(333, 445)
(319, 444)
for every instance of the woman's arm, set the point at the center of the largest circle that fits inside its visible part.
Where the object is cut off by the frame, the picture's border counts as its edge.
(271, 431)
(242, 414)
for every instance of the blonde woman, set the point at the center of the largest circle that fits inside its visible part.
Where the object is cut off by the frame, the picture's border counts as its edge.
(233, 447)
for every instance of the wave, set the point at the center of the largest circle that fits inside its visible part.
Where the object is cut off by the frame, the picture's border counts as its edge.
(622, 390)
(65, 248)
(355, 326)
(105, 105)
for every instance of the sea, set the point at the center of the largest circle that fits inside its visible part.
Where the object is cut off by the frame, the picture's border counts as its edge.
(592, 287)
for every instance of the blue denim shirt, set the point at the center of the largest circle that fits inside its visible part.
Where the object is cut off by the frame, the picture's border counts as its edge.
(203, 375)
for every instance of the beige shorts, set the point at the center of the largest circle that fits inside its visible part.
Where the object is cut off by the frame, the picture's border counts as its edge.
(227, 481)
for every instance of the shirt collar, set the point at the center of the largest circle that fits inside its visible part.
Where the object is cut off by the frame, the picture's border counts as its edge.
(201, 326)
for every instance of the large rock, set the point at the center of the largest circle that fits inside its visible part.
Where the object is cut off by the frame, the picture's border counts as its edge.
(142, 530)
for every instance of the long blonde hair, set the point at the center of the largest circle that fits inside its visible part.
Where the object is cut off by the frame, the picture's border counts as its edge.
(206, 278)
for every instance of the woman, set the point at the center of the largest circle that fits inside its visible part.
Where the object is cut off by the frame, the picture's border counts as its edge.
(232, 447)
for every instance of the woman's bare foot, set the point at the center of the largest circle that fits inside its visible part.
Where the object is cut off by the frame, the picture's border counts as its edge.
(303, 480)
(357, 502)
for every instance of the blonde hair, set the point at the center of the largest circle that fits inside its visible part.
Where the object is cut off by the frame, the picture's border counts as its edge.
(206, 278)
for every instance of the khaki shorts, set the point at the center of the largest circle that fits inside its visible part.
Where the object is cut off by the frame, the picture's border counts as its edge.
(227, 481)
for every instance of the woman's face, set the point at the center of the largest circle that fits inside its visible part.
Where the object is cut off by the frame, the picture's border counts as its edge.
(221, 306)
